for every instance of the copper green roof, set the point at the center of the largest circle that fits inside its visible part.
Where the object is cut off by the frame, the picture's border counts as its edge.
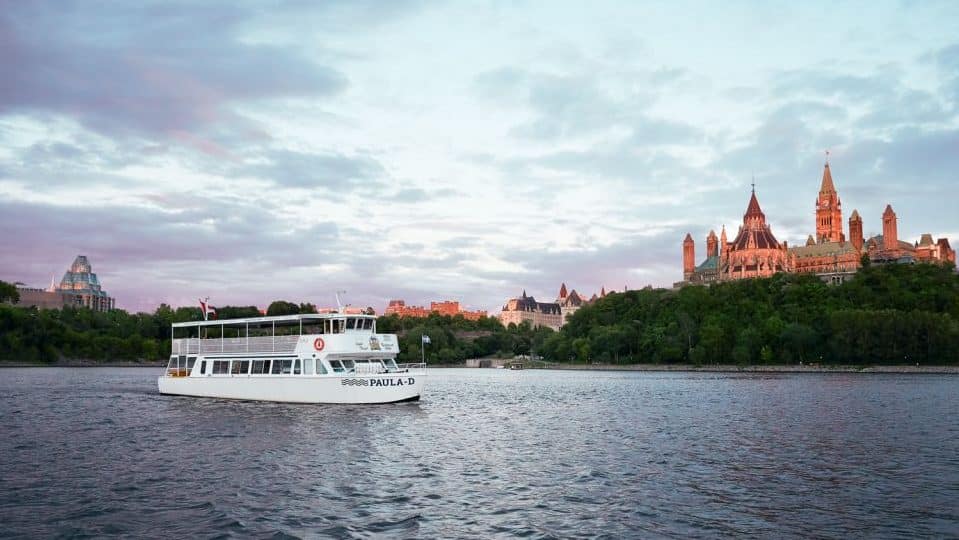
(824, 249)
(711, 263)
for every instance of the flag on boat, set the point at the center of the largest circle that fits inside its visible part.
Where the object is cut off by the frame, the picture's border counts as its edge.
(426, 339)
(209, 312)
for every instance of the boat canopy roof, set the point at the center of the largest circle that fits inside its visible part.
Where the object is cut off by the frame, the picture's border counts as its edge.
(281, 320)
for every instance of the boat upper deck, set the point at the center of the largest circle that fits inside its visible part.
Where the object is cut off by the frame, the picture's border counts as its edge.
(279, 320)
(274, 334)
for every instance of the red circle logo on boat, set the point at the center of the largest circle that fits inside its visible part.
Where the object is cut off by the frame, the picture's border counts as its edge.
(318, 344)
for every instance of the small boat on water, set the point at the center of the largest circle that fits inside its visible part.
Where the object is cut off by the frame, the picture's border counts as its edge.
(306, 358)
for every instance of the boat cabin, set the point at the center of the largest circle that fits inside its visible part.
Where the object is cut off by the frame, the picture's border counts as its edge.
(303, 344)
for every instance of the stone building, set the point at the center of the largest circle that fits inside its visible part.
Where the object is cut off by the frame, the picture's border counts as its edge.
(447, 307)
(569, 302)
(526, 308)
(79, 287)
(754, 252)
(829, 254)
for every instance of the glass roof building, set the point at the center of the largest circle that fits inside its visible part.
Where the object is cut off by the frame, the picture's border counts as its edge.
(83, 286)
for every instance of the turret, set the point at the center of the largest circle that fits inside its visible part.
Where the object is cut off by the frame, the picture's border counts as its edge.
(562, 292)
(723, 244)
(890, 232)
(712, 244)
(689, 256)
(855, 230)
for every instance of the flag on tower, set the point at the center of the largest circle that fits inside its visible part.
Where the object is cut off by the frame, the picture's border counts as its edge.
(426, 339)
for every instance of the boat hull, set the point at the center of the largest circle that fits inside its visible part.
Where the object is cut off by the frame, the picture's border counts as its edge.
(352, 389)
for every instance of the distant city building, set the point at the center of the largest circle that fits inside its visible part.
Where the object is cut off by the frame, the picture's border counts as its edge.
(755, 252)
(447, 308)
(570, 302)
(79, 287)
(526, 308)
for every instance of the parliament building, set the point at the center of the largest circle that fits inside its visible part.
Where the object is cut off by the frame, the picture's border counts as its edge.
(830, 253)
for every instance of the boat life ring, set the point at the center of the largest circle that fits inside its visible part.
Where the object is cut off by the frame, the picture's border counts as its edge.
(318, 344)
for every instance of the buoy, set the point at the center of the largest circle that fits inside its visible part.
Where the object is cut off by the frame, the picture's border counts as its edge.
(318, 344)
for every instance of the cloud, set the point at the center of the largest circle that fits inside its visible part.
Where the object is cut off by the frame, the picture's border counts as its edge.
(159, 72)
(336, 172)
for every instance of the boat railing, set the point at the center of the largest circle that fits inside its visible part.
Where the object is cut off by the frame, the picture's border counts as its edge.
(258, 344)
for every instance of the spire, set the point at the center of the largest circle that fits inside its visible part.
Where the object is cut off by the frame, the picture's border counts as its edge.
(524, 293)
(827, 185)
(562, 291)
(602, 293)
(855, 216)
(753, 210)
(688, 239)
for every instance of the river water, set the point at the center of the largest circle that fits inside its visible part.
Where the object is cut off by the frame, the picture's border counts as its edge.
(486, 453)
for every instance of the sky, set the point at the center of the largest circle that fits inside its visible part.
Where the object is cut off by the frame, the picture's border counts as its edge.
(254, 151)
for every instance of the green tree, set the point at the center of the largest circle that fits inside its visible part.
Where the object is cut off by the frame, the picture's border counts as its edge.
(282, 307)
(9, 292)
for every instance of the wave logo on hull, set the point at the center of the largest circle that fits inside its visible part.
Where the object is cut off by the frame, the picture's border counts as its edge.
(378, 382)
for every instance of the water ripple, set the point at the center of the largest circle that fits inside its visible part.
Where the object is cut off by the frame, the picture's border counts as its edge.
(488, 453)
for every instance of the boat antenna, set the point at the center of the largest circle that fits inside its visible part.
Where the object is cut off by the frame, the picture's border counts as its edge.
(339, 307)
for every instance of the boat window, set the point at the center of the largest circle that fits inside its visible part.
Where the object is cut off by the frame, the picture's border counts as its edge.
(338, 325)
(190, 362)
(260, 367)
(308, 366)
(328, 326)
(296, 366)
(282, 367)
(350, 324)
(337, 366)
(368, 324)
(390, 363)
(320, 368)
(172, 363)
(348, 365)
(221, 367)
(313, 327)
(240, 367)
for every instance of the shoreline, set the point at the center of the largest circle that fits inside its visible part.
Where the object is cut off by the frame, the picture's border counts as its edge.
(689, 368)
(727, 368)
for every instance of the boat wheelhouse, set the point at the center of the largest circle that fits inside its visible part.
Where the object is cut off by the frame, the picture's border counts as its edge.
(306, 358)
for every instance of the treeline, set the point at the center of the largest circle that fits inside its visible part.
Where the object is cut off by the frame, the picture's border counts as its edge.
(891, 314)
(454, 339)
(46, 336)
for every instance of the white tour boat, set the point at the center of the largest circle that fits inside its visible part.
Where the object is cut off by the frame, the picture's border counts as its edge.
(309, 358)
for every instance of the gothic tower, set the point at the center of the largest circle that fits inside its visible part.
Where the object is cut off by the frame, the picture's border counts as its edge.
(689, 256)
(828, 211)
(723, 244)
(890, 234)
(855, 230)
(712, 244)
